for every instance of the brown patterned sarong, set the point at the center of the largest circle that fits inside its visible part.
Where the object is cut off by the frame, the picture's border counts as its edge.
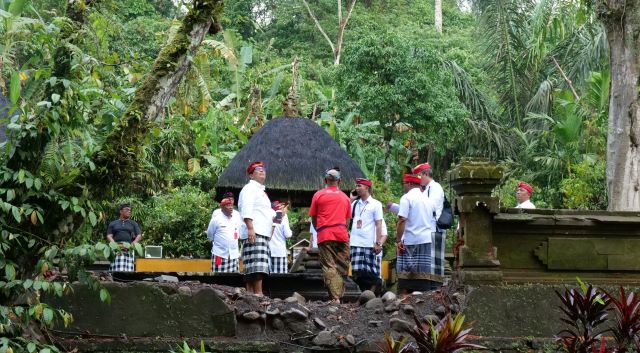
(334, 258)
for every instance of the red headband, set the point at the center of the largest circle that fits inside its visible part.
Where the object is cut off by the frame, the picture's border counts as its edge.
(363, 181)
(253, 166)
(525, 186)
(420, 167)
(226, 201)
(411, 179)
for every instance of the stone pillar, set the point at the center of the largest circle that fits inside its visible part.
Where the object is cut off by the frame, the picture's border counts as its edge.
(473, 180)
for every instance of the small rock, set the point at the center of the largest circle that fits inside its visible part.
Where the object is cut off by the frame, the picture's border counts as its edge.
(375, 323)
(184, 290)
(441, 311)
(366, 296)
(277, 300)
(461, 298)
(408, 309)
(294, 314)
(378, 311)
(325, 338)
(220, 294)
(393, 306)
(167, 278)
(251, 315)
(400, 325)
(333, 310)
(238, 293)
(291, 300)
(388, 296)
(351, 340)
(319, 323)
(300, 298)
(374, 304)
(455, 308)
(273, 311)
(277, 324)
(395, 313)
(416, 293)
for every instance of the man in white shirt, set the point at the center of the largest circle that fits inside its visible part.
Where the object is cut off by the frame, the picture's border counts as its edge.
(366, 239)
(279, 235)
(523, 195)
(433, 190)
(255, 210)
(223, 232)
(413, 238)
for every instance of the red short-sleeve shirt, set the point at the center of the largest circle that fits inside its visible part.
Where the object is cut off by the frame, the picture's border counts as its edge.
(332, 208)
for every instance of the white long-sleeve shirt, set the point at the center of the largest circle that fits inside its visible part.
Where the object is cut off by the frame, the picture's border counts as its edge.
(278, 242)
(527, 205)
(254, 203)
(223, 232)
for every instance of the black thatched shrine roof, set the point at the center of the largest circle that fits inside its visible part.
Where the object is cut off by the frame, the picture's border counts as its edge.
(296, 152)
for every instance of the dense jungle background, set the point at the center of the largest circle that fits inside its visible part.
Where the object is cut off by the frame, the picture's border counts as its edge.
(395, 82)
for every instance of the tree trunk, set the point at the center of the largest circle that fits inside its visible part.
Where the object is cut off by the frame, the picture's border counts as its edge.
(387, 165)
(621, 19)
(438, 15)
(118, 160)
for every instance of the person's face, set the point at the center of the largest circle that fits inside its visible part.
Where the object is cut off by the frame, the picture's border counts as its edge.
(406, 187)
(362, 190)
(259, 174)
(227, 209)
(522, 195)
(125, 213)
(424, 178)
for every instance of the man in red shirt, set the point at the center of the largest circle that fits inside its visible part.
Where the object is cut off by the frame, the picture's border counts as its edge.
(330, 210)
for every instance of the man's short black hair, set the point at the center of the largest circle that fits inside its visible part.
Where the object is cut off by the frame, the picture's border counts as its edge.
(123, 205)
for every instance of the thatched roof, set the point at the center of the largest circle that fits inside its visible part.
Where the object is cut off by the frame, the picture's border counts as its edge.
(296, 152)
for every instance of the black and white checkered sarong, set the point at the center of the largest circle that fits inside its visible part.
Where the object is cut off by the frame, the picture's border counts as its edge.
(365, 259)
(226, 265)
(256, 256)
(279, 265)
(437, 253)
(124, 262)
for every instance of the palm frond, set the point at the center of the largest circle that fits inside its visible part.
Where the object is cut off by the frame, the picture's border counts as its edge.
(541, 101)
(504, 29)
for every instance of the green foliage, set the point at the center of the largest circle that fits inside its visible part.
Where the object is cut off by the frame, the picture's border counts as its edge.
(586, 187)
(177, 220)
(399, 83)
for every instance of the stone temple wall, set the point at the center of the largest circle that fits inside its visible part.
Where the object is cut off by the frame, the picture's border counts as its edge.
(538, 246)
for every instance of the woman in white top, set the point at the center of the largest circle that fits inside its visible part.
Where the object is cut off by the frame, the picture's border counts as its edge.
(279, 234)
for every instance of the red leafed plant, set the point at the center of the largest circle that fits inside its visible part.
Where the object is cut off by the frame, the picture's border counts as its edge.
(446, 336)
(584, 311)
(626, 309)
